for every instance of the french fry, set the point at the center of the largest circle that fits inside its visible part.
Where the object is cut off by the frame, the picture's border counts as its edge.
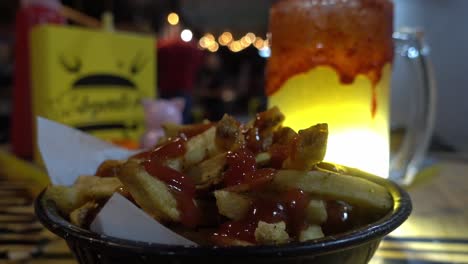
(263, 158)
(208, 172)
(284, 135)
(316, 212)
(66, 198)
(176, 164)
(109, 168)
(271, 234)
(232, 205)
(199, 148)
(228, 133)
(348, 188)
(96, 188)
(80, 215)
(86, 188)
(259, 132)
(151, 194)
(310, 233)
(308, 149)
(271, 119)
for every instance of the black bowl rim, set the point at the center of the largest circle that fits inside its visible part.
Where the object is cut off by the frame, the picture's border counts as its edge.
(49, 216)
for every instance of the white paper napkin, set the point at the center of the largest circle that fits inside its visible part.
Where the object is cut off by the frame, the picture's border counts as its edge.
(69, 153)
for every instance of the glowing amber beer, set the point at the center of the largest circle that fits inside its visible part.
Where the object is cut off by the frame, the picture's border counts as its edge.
(331, 63)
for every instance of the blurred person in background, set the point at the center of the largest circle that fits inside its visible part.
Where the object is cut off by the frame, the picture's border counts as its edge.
(178, 64)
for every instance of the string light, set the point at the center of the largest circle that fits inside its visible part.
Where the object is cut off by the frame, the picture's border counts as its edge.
(259, 43)
(173, 19)
(245, 42)
(225, 38)
(235, 46)
(207, 41)
(210, 43)
(186, 35)
(209, 36)
(250, 37)
(214, 47)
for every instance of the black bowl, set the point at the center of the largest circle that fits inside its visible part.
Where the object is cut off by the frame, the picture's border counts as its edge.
(353, 247)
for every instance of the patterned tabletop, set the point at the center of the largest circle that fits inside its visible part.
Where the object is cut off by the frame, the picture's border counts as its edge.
(437, 231)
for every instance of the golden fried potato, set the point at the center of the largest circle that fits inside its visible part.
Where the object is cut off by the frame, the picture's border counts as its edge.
(270, 120)
(228, 133)
(310, 233)
(176, 164)
(308, 149)
(109, 168)
(151, 194)
(259, 132)
(232, 205)
(85, 189)
(271, 234)
(97, 188)
(208, 172)
(343, 187)
(171, 129)
(200, 147)
(316, 212)
(80, 215)
(66, 198)
(284, 136)
(263, 158)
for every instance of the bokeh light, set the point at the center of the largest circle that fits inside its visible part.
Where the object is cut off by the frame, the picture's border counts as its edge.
(186, 35)
(173, 19)
(225, 38)
(206, 41)
(245, 42)
(214, 47)
(250, 37)
(235, 46)
(258, 43)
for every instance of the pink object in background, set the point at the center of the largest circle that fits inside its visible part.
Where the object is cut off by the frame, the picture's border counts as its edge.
(158, 112)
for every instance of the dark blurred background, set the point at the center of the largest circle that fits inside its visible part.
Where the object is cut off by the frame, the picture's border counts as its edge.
(230, 78)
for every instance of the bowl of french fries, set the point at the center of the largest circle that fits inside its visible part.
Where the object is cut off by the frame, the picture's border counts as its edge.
(255, 192)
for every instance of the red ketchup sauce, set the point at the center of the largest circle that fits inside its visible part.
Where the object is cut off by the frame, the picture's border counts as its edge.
(254, 137)
(180, 185)
(279, 153)
(242, 170)
(339, 216)
(289, 208)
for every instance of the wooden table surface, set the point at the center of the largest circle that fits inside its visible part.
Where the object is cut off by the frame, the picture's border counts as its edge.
(436, 232)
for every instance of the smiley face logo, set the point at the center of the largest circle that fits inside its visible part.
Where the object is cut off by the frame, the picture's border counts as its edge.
(101, 95)
(94, 80)
(74, 65)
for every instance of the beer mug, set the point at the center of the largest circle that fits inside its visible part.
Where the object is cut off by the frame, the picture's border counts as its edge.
(331, 62)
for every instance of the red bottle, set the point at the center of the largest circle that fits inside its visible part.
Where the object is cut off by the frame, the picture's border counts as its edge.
(31, 13)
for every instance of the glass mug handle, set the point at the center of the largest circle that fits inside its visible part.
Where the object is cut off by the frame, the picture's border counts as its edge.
(406, 162)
